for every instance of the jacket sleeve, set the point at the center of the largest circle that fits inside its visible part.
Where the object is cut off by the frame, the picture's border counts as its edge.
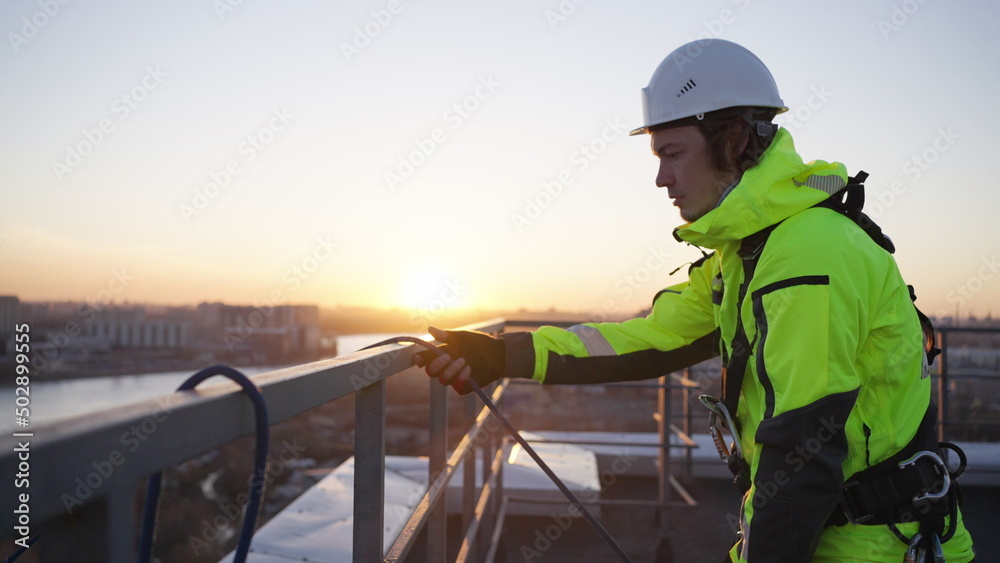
(808, 312)
(679, 331)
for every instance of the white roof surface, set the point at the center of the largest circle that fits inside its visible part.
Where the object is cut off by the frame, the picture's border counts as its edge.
(318, 526)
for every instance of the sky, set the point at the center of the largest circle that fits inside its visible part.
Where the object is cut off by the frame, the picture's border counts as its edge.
(439, 153)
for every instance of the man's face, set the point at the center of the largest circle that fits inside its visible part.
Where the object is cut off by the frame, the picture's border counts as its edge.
(687, 171)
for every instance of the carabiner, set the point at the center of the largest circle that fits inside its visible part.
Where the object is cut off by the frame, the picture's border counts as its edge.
(717, 438)
(718, 409)
(946, 478)
(914, 552)
(938, 549)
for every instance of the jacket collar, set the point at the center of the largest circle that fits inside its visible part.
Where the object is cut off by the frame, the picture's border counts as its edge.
(779, 186)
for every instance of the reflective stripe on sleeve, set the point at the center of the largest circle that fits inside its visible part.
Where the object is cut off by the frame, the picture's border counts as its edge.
(592, 338)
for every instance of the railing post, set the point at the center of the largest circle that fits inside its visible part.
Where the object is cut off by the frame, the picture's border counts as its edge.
(469, 467)
(487, 454)
(369, 472)
(437, 530)
(942, 383)
(663, 430)
(121, 538)
(663, 399)
(686, 420)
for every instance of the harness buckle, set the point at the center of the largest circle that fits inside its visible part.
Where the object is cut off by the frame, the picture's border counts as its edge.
(852, 510)
(943, 470)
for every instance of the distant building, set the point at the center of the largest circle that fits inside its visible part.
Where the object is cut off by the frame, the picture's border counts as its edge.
(144, 334)
(130, 328)
(272, 332)
(10, 316)
(75, 333)
(10, 313)
(210, 315)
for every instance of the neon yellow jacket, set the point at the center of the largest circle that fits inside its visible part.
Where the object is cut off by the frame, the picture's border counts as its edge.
(837, 380)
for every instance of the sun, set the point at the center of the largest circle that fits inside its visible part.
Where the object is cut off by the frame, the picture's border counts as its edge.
(431, 288)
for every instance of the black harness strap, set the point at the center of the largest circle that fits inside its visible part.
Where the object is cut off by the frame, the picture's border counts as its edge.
(735, 366)
(735, 369)
(848, 201)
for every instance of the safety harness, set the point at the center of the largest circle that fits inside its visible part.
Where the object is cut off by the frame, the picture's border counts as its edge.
(916, 483)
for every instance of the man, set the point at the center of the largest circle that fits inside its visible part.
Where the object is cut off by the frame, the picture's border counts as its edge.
(823, 348)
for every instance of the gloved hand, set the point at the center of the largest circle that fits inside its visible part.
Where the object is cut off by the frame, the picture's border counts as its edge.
(467, 354)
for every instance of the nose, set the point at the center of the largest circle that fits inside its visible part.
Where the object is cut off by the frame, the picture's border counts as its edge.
(665, 175)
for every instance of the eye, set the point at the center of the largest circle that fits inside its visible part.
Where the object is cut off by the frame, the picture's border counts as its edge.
(670, 155)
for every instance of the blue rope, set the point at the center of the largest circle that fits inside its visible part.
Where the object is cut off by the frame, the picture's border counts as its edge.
(256, 484)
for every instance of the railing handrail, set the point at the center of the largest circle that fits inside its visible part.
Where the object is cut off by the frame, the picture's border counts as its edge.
(969, 329)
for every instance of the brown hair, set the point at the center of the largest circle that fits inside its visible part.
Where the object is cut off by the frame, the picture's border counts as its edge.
(727, 129)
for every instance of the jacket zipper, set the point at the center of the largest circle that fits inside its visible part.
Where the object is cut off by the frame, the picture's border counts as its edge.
(868, 435)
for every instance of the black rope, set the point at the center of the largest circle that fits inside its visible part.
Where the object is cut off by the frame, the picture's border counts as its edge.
(522, 442)
(260, 467)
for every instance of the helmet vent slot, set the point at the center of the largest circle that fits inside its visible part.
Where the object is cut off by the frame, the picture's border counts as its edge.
(688, 86)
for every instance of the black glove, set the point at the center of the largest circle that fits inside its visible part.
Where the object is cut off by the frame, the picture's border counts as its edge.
(483, 354)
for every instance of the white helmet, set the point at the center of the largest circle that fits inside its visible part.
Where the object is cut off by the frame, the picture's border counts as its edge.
(703, 76)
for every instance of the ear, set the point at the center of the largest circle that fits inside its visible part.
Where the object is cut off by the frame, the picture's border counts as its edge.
(737, 141)
(737, 144)
(740, 141)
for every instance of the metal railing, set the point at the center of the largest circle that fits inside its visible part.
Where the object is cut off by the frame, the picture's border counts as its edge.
(977, 387)
(666, 418)
(90, 466)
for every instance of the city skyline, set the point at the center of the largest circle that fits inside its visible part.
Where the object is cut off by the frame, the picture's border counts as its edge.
(428, 315)
(447, 155)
